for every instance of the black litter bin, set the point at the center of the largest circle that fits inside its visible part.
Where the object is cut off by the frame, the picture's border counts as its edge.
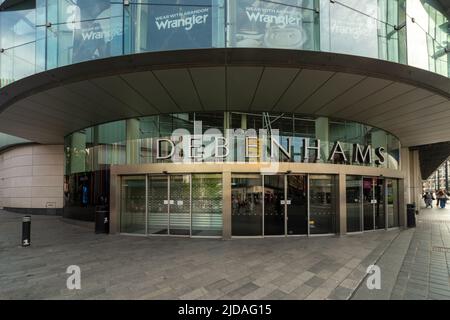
(101, 220)
(411, 215)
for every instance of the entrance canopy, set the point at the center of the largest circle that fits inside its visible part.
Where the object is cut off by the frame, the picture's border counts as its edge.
(411, 103)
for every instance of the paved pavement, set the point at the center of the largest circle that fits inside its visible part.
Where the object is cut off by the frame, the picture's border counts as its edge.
(124, 267)
(425, 273)
(414, 264)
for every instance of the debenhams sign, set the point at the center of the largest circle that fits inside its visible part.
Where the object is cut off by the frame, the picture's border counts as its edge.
(246, 145)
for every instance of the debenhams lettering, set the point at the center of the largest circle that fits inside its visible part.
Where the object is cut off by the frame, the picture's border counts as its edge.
(240, 146)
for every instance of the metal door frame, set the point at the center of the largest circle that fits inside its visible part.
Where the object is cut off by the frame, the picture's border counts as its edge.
(306, 176)
(384, 188)
(263, 176)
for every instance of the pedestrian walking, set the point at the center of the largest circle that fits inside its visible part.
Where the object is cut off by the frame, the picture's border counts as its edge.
(443, 199)
(438, 198)
(428, 198)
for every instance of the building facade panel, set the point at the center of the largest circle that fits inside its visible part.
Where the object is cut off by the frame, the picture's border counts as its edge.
(27, 186)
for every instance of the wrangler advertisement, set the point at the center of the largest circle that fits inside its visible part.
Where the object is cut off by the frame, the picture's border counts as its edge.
(91, 25)
(180, 24)
(260, 24)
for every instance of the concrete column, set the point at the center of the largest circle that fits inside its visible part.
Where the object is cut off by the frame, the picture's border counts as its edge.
(133, 142)
(415, 179)
(342, 205)
(114, 204)
(244, 121)
(226, 205)
(404, 185)
(78, 153)
(322, 133)
(446, 175)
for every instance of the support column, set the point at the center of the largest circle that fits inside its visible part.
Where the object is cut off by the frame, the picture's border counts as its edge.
(342, 205)
(404, 185)
(446, 175)
(114, 204)
(244, 121)
(322, 133)
(226, 205)
(132, 140)
(438, 183)
(416, 179)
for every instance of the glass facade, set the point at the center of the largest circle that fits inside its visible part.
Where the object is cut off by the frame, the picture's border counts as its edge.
(247, 205)
(140, 141)
(354, 203)
(251, 137)
(177, 205)
(372, 203)
(322, 204)
(44, 34)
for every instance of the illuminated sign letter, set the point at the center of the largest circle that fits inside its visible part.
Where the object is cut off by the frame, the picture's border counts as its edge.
(159, 142)
(337, 149)
(223, 144)
(193, 149)
(275, 144)
(379, 152)
(307, 147)
(362, 156)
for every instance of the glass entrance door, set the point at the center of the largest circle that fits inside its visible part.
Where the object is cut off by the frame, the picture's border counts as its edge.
(247, 207)
(132, 215)
(180, 205)
(374, 204)
(297, 205)
(158, 205)
(322, 204)
(274, 205)
(392, 202)
(169, 205)
(368, 198)
(379, 205)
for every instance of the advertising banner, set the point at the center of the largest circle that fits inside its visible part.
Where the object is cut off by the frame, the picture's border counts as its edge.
(270, 24)
(92, 32)
(353, 27)
(180, 24)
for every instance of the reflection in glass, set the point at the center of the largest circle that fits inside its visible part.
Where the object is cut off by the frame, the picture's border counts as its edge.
(380, 212)
(83, 30)
(173, 24)
(132, 217)
(288, 24)
(133, 141)
(374, 211)
(207, 205)
(392, 202)
(246, 202)
(368, 198)
(158, 216)
(274, 205)
(297, 208)
(354, 203)
(322, 206)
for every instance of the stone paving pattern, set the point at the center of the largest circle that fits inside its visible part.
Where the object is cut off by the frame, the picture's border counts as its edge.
(126, 267)
(425, 273)
(414, 264)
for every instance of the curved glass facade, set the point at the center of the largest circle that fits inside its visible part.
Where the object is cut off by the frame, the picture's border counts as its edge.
(62, 32)
(228, 137)
(214, 137)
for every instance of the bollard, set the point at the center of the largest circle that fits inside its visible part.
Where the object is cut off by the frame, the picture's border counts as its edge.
(26, 231)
